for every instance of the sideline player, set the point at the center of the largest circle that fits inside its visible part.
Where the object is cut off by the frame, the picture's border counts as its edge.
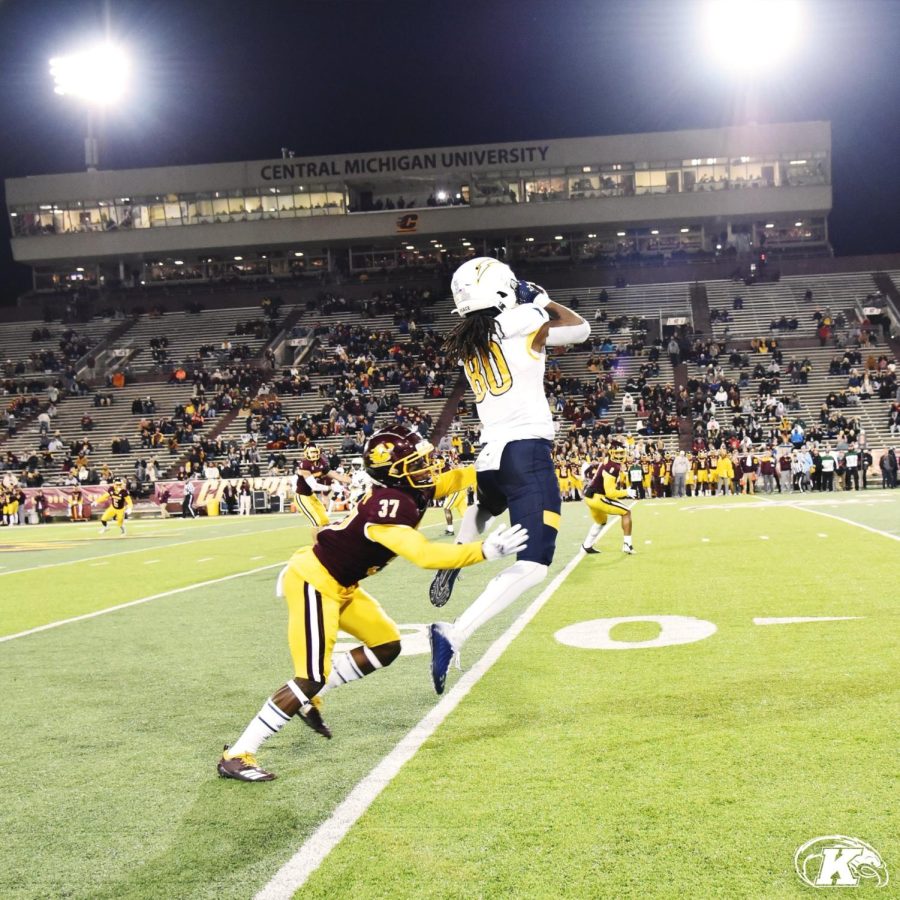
(120, 505)
(76, 505)
(311, 470)
(9, 503)
(602, 496)
(321, 586)
(501, 344)
(457, 502)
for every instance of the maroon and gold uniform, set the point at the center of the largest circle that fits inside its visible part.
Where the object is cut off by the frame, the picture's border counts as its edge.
(306, 468)
(322, 586)
(321, 583)
(603, 494)
(120, 503)
(308, 503)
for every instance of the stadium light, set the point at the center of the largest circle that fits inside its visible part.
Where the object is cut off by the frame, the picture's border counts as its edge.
(98, 77)
(751, 35)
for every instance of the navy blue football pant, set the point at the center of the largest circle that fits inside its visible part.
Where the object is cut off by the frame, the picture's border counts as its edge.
(526, 484)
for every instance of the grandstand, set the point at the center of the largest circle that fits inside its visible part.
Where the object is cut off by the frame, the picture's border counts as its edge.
(627, 323)
(586, 227)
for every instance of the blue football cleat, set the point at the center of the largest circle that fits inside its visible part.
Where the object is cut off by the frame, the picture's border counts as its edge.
(442, 586)
(442, 654)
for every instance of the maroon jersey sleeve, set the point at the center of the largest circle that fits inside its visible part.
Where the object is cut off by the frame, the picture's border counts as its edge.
(344, 548)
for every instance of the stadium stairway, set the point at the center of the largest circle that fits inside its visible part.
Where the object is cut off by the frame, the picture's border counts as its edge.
(700, 308)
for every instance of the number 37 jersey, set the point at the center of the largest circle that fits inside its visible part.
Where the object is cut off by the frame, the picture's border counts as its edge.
(508, 383)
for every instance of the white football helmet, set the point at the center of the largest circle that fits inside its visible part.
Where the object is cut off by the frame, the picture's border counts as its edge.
(483, 283)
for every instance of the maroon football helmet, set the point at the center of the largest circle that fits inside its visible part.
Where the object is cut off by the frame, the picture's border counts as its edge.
(400, 457)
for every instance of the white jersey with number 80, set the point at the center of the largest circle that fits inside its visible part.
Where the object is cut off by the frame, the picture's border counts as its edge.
(508, 383)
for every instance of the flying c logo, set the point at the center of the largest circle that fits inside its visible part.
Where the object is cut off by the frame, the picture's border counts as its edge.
(839, 861)
(380, 454)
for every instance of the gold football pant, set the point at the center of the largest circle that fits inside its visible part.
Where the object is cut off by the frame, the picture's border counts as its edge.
(318, 606)
(110, 513)
(456, 502)
(600, 507)
(311, 507)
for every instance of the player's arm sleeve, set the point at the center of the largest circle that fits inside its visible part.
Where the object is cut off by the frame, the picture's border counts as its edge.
(405, 541)
(315, 485)
(454, 480)
(102, 497)
(611, 488)
(128, 501)
(560, 335)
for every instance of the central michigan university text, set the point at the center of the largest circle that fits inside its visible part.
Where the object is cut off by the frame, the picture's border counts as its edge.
(405, 162)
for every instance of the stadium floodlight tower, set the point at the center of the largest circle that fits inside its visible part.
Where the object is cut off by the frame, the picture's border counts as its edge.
(98, 77)
(750, 37)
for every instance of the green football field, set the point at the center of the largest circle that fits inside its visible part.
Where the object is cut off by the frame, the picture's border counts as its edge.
(575, 755)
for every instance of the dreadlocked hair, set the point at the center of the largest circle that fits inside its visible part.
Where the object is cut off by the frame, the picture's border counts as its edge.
(472, 337)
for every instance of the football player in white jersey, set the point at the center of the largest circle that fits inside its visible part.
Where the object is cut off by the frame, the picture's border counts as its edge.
(501, 344)
(360, 481)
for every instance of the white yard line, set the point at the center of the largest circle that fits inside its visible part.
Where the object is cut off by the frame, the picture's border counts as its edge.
(295, 872)
(795, 620)
(109, 609)
(818, 512)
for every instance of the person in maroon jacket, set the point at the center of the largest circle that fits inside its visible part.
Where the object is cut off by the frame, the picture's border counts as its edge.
(785, 477)
(749, 464)
(321, 585)
(767, 470)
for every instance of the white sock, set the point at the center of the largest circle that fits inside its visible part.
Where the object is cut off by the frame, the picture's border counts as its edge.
(449, 529)
(627, 540)
(344, 669)
(474, 523)
(501, 590)
(268, 721)
(592, 535)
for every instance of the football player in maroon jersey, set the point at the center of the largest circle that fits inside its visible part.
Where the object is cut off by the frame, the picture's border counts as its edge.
(314, 475)
(321, 584)
(603, 498)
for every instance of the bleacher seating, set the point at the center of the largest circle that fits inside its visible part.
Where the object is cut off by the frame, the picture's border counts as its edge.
(637, 310)
(16, 344)
(186, 332)
(112, 421)
(768, 300)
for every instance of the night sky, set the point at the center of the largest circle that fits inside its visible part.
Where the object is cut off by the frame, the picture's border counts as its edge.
(222, 81)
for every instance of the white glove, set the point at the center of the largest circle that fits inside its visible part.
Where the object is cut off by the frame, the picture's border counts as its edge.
(631, 493)
(505, 541)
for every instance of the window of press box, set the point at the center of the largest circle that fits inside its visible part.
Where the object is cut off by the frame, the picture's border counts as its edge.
(748, 171)
(540, 187)
(803, 169)
(541, 248)
(495, 189)
(809, 230)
